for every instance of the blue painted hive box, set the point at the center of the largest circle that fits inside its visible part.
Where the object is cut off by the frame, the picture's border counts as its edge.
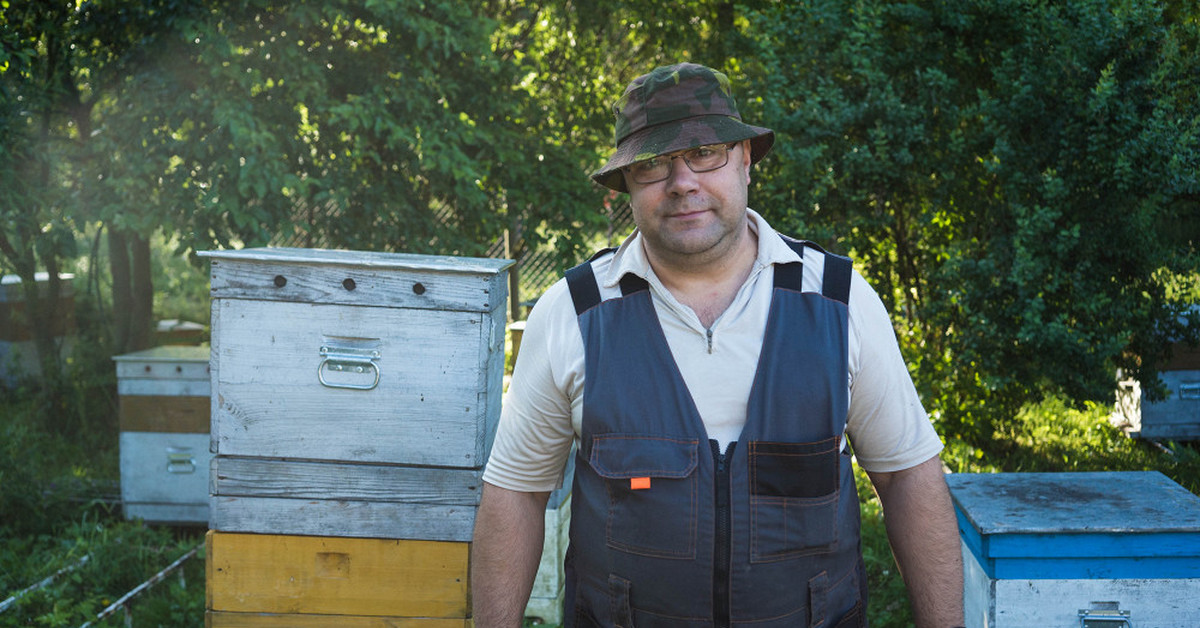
(1103, 549)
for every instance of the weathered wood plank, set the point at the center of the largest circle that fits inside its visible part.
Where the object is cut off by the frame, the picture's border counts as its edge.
(294, 479)
(1036, 603)
(219, 619)
(265, 573)
(364, 259)
(176, 514)
(165, 363)
(162, 413)
(164, 467)
(214, 371)
(344, 281)
(165, 388)
(429, 407)
(346, 518)
(1179, 413)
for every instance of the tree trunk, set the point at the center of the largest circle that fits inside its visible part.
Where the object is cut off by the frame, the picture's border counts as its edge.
(514, 248)
(141, 320)
(132, 291)
(122, 296)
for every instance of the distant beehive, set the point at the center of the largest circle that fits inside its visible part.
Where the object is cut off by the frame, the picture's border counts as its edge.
(354, 400)
(1177, 417)
(164, 413)
(18, 354)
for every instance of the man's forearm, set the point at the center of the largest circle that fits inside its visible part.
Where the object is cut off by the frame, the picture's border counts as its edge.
(924, 537)
(506, 550)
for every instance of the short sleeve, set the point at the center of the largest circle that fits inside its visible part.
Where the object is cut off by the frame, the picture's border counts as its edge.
(887, 424)
(535, 431)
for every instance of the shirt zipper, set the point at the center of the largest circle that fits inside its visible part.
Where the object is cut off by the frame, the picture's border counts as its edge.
(708, 334)
(721, 545)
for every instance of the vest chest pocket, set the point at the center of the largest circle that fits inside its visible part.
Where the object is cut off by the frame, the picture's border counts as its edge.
(793, 498)
(652, 500)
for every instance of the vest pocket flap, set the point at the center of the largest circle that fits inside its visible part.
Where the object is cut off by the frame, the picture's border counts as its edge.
(799, 470)
(624, 456)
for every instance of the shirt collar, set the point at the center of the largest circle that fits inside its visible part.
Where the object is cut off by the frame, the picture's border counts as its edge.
(631, 256)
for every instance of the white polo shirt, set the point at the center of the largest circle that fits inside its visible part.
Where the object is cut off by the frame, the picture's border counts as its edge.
(543, 408)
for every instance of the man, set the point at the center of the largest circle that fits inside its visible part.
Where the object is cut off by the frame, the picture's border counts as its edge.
(710, 371)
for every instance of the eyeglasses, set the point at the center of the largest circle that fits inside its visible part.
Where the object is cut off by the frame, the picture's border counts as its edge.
(699, 159)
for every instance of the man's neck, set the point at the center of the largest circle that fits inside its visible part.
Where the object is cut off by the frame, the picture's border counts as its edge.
(709, 288)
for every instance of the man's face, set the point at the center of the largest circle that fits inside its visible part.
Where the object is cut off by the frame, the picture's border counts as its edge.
(693, 217)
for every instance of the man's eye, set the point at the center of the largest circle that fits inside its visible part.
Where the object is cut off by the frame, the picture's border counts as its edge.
(705, 151)
(648, 165)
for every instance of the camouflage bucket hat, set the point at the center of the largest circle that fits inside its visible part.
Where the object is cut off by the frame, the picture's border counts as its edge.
(675, 108)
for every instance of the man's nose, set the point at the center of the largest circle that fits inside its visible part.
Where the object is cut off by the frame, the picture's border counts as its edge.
(682, 178)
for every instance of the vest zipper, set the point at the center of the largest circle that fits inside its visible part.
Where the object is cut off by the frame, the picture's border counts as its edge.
(721, 544)
(708, 335)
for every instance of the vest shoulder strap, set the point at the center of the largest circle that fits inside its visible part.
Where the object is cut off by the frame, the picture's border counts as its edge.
(581, 281)
(585, 291)
(835, 283)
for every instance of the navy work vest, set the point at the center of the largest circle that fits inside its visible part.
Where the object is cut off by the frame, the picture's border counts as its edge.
(668, 531)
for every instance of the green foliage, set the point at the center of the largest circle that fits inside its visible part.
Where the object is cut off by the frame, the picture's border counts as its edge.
(1053, 436)
(56, 492)
(1013, 175)
(119, 557)
(570, 61)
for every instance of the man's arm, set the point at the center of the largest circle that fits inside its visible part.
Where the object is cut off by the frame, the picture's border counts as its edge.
(924, 537)
(509, 532)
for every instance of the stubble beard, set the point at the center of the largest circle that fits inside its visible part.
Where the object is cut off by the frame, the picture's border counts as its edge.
(701, 246)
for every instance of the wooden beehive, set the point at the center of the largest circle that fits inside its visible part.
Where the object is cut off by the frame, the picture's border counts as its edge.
(18, 353)
(163, 395)
(1175, 417)
(354, 394)
(267, 580)
(1074, 549)
(164, 412)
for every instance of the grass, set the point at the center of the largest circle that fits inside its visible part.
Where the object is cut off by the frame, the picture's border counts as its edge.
(58, 506)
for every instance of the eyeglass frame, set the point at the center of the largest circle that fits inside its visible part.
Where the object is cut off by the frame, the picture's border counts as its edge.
(670, 157)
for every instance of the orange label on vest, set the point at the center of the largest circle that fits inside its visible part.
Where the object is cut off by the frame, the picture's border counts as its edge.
(639, 483)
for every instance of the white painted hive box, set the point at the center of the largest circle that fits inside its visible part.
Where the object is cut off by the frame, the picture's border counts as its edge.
(354, 393)
(1044, 550)
(164, 417)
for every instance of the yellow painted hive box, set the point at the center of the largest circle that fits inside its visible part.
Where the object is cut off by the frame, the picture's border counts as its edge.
(272, 580)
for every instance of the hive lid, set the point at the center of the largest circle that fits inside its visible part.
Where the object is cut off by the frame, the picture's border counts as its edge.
(167, 353)
(1091, 502)
(367, 259)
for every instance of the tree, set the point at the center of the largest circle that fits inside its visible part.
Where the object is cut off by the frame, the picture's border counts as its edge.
(572, 60)
(1014, 175)
(322, 124)
(39, 106)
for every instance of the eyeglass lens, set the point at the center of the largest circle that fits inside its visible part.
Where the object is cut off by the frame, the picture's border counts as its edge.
(699, 159)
